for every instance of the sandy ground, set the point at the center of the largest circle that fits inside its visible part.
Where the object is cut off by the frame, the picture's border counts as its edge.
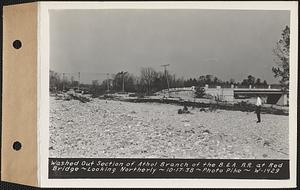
(117, 129)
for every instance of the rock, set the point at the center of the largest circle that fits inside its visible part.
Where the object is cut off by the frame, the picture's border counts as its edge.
(125, 131)
(234, 139)
(189, 131)
(197, 143)
(206, 132)
(187, 125)
(267, 143)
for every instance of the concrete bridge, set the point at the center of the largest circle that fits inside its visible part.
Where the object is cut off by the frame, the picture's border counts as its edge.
(274, 96)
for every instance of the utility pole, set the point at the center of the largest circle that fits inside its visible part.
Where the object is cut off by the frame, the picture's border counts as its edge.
(64, 81)
(78, 81)
(107, 78)
(123, 87)
(165, 67)
(107, 81)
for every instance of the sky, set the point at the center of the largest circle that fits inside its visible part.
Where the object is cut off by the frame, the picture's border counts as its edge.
(225, 43)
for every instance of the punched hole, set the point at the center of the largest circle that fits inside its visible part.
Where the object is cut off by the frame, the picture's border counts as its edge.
(17, 44)
(17, 146)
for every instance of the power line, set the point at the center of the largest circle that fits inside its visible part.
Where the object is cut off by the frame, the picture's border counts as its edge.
(79, 74)
(78, 81)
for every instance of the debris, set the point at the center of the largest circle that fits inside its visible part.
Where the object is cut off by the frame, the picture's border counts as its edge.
(202, 109)
(267, 143)
(79, 97)
(70, 122)
(138, 130)
(206, 131)
(184, 110)
(187, 125)
(189, 131)
(180, 111)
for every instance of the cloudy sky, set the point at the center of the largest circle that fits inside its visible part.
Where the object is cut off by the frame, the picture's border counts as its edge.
(225, 43)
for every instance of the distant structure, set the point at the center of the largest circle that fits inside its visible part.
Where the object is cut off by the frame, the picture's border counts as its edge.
(274, 96)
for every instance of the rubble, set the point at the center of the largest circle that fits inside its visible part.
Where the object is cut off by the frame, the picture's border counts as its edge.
(71, 96)
(106, 128)
(79, 97)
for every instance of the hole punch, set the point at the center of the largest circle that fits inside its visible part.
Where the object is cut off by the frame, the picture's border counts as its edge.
(17, 44)
(17, 146)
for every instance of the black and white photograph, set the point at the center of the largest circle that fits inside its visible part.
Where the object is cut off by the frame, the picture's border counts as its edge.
(150, 94)
(193, 84)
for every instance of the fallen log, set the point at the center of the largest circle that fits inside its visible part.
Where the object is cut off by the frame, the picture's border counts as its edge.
(80, 98)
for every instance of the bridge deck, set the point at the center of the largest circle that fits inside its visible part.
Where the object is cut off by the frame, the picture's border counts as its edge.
(258, 91)
(237, 91)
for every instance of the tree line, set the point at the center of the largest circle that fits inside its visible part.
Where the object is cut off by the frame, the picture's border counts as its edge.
(148, 82)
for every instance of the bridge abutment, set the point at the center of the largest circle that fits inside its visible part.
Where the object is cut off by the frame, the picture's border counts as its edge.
(283, 100)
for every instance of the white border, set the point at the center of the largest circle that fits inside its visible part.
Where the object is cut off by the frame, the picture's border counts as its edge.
(43, 96)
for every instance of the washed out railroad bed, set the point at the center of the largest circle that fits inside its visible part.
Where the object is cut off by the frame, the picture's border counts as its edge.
(118, 129)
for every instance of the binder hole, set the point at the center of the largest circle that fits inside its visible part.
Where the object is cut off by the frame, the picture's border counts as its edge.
(17, 44)
(17, 146)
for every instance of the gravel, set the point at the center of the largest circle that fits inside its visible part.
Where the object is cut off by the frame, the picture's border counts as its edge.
(115, 129)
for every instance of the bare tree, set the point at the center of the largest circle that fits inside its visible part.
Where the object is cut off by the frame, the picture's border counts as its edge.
(147, 77)
(55, 81)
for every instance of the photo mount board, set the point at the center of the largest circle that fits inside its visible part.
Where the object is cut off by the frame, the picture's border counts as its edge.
(20, 102)
(19, 95)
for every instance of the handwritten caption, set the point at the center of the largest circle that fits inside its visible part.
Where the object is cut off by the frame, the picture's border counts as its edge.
(167, 168)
